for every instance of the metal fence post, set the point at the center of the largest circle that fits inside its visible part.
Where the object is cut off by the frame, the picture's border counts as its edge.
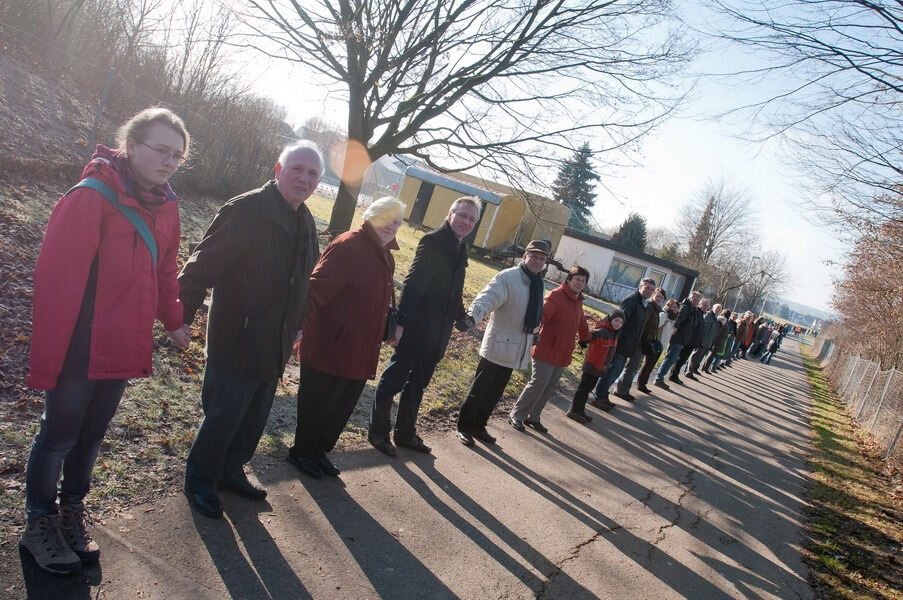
(881, 401)
(866, 394)
(855, 362)
(892, 445)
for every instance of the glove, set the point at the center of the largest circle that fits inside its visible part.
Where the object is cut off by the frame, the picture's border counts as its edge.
(464, 324)
(583, 344)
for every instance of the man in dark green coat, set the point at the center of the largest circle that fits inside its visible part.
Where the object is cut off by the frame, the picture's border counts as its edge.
(257, 256)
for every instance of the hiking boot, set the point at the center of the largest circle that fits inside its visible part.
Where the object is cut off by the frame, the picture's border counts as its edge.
(537, 426)
(44, 541)
(516, 423)
(74, 521)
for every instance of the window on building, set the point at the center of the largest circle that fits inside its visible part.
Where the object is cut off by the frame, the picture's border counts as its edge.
(622, 280)
(675, 285)
(658, 276)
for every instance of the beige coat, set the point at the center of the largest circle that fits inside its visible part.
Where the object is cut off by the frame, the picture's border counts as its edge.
(505, 300)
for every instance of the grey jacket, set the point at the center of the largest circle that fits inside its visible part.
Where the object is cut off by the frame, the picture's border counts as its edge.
(505, 300)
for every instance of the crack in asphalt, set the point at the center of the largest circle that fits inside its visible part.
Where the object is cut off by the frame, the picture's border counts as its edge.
(688, 484)
(573, 554)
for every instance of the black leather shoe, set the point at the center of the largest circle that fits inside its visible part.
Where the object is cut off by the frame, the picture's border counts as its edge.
(415, 444)
(676, 379)
(483, 435)
(602, 404)
(465, 438)
(644, 389)
(384, 446)
(327, 467)
(691, 377)
(627, 397)
(537, 426)
(240, 486)
(306, 465)
(661, 384)
(206, 503)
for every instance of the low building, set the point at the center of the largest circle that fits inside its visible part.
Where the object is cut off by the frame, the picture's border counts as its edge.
(509, 217)
(616, 271)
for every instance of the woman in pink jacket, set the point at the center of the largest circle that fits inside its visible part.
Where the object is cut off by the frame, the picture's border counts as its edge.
(107, 269)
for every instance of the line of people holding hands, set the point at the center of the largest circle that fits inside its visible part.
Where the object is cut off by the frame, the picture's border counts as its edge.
(108, 269)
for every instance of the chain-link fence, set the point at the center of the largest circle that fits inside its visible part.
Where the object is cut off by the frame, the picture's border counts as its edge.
(875, 396)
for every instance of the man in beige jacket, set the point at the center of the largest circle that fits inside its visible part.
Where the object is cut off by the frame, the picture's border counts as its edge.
(513, 301)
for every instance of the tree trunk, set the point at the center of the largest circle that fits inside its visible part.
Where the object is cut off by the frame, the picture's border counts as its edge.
(343, 209)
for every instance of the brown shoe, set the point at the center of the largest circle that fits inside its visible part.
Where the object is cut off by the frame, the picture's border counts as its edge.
(74, 521)
(42, 538)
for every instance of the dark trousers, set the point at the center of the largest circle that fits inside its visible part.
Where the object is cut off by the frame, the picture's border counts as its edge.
(587, 383)
(682, 359)
(76, 415)
(697, 358)
(611, 374)
(406, 373)
(235, 412)
(325, 403)
(484, 394)
(646, 371)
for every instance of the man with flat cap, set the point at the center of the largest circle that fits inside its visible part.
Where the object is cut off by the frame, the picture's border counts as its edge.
(513, 302)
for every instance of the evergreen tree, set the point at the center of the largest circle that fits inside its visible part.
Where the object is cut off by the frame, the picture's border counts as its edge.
(632, 233)
(574, 186)
(700, 245)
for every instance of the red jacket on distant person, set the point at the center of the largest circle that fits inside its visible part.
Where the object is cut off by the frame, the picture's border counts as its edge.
(115, 317)
(562, 321)
(347, 305)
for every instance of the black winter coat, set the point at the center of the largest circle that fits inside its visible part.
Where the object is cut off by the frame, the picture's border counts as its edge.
(685, 324)
(257, 255)
(634, 319)
(430, 299)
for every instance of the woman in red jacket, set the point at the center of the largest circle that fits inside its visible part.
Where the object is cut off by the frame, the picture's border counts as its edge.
(562, 322)
(347, 305)
(598, 358)
(107, 269)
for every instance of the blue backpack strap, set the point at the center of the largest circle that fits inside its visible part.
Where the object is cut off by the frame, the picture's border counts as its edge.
(128, 212)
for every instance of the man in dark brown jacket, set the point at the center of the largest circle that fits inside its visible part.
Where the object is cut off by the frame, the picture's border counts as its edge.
(648, 333)
(257, 255)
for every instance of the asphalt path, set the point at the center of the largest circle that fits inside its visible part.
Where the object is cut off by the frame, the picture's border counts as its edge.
(692, 493)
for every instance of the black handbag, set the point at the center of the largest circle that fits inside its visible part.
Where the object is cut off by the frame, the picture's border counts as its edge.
(391, 319)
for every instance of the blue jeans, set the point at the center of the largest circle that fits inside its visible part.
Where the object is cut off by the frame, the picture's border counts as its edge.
(611, 375)
(235, 412)
(670, 358)
(76, 415)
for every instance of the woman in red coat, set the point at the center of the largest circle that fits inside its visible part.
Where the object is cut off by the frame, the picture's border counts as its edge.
(598, 358)
(347, 305)
(562, 322)
(106, 270)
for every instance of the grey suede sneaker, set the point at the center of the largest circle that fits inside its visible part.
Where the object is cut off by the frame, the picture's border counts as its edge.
(74, 521)
(43, 539)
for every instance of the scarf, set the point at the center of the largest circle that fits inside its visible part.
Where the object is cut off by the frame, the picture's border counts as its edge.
(533, 316)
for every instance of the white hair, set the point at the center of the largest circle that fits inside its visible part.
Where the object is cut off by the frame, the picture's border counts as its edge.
(302, 145)
(472, 200)
(384, 209)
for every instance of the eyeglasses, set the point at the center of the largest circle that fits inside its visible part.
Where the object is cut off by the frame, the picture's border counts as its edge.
(165, 154)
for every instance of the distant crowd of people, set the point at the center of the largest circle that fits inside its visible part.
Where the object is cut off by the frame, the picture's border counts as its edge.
(107, 270)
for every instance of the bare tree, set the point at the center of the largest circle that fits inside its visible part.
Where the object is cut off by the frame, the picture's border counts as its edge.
(717, 221)
(491, 83)
(833, 71)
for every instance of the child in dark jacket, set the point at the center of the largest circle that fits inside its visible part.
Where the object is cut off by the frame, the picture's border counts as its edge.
(598, 358)
(772, 348)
